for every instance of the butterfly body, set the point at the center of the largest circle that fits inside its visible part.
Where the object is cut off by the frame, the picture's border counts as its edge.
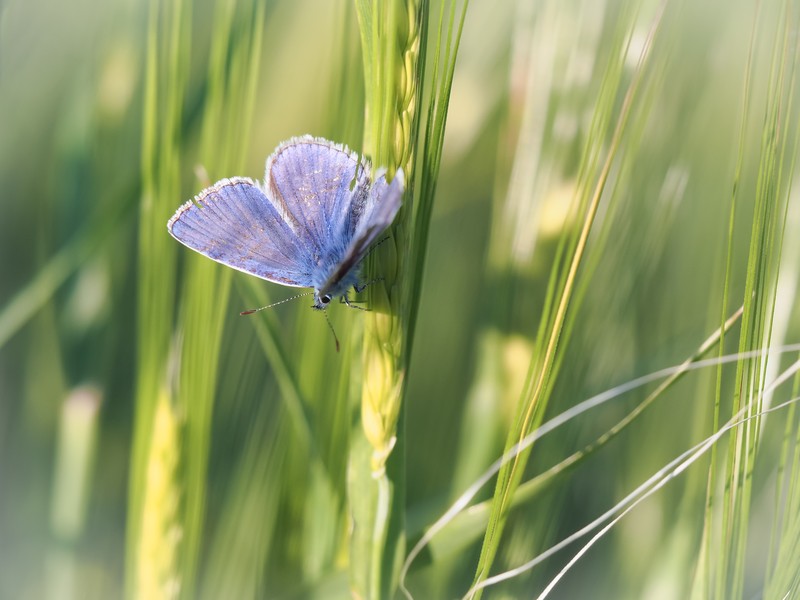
(309, 224)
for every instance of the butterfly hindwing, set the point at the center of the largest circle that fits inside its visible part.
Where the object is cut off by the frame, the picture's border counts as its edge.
(382, 204)
(234, 223)
(380, 209)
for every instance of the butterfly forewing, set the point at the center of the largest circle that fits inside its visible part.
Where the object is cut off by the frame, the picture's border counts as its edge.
(234, 223)
(321, 187)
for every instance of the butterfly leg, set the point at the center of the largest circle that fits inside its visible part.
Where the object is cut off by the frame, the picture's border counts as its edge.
(358, 288)
(344, 299)
(361, 288)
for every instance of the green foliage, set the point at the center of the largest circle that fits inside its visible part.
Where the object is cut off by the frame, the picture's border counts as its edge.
(594, 191)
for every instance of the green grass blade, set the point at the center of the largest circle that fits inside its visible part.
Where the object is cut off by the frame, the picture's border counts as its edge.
(235, 52)
(30, 299)
(167, 51)
(534, 398)
(394, 43)
(756, 329)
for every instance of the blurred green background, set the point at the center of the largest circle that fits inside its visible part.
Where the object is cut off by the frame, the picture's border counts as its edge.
(528, 81)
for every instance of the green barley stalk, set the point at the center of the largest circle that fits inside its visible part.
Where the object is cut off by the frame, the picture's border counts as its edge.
(390, 39)
(394, 38)
(158, 573)
(72, 482)
(242, 543)
(233, 67)
(564, 291)
(782, 573)
(389, 33)
(784, 553)
(190, 390)
(703, 580)
(165, 87)
(724, 571)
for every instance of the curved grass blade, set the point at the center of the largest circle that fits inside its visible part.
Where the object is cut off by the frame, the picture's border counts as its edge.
(543, 369)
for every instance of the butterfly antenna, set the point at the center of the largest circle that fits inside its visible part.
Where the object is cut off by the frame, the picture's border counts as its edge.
(255, 310)
(335, 339)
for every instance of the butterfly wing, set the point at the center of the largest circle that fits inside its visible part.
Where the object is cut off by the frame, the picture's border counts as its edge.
(379, 210)
(234, 223)
(320, 188)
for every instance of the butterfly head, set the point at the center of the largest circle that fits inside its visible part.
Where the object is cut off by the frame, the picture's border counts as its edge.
(334, 286)
(321, 300)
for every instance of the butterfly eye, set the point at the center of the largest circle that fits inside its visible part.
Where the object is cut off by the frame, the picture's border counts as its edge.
(325, 298)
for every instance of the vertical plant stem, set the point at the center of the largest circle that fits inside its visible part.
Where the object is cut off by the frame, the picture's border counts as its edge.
(185, 392)
(545, 365)
(165, 81)
(393, 45)
(759, 302)
(234, 57)
(389, 37)
(158, 561)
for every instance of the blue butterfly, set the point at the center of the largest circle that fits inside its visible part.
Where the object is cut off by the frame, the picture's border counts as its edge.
(310, 224)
